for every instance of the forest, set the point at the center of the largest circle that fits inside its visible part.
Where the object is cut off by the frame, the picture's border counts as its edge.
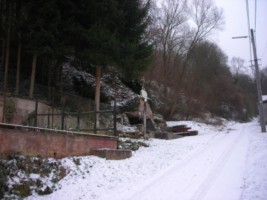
(170, 46)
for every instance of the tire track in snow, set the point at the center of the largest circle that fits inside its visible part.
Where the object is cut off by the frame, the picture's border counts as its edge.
(163, 180)
(220, 163)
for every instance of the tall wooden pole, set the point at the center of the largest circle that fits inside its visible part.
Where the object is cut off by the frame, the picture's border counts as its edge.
(97, 95)
(260, 106)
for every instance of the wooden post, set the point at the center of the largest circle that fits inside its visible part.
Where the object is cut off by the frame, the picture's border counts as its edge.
(115, 118)
(95, 125)
(53, 93)
(4, 107)
(62, 118)
(145, 119)
(97, 94)
(258, 81)
(78, 121)
(144, 97)
(36, 112)
(48, 120)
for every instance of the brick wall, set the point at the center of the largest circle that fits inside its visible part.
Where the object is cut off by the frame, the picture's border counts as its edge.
(40, 142)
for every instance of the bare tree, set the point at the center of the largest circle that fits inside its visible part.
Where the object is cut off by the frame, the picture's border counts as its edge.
(206, 18)
(181, 26)
(237, 65)
(174, 17)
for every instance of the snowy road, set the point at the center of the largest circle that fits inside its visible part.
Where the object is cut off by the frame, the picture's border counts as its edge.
(228, 162)
(207, 174)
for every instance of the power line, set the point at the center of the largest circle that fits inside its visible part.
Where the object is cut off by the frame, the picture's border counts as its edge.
(248, 19)
(255, 15)
(249, 34)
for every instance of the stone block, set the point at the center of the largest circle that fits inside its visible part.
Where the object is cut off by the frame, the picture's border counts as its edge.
(112, 154)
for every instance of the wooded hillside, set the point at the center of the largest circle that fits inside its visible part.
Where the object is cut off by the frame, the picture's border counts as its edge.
(170, 45)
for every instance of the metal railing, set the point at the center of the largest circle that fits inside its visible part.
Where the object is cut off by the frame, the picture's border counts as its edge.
(69, 112)
(91, 118)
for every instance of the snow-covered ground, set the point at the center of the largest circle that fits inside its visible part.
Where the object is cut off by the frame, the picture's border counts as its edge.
(221, 163)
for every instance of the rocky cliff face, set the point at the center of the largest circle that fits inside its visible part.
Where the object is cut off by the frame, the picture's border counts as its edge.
(111, 86)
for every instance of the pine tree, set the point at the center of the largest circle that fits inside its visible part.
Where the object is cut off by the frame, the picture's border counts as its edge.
(95, 33)
(110, 33)
(42, 25)
(135, 51)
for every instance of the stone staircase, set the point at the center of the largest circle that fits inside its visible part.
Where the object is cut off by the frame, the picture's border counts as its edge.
(176, 132)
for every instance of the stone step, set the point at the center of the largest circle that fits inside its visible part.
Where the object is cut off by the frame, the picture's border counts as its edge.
(112, 154)
(170, 135)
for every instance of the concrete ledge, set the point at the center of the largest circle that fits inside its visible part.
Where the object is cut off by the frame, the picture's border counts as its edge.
(47, 130)
(112, 154)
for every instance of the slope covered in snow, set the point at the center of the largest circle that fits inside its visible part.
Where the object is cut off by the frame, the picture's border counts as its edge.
(111, 86)
(224, 162)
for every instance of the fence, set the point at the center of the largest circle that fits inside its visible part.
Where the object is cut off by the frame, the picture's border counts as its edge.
(64, 111)
(93, 121)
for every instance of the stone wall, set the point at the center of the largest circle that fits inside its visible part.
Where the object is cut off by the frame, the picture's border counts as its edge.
(24, 107)
(50, 143)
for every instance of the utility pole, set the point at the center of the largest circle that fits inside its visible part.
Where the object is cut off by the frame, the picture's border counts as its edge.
(260, 106)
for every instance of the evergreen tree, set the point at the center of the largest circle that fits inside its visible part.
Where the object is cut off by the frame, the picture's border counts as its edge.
(42, 26)
(110, 33)
(135, 51)
(95, 33)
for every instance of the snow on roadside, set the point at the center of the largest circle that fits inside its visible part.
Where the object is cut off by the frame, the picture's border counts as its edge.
(95, 178)
(255, 182)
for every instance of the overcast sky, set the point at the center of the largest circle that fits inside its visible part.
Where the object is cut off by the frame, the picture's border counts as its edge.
(236, 24)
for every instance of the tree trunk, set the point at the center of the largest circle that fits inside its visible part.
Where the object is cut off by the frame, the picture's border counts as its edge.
(7, 51)
(97, 93)
(6, 61)
(34, 61)
(165, 72)
(58, 76)
(18, 69)
(49, 83)
(3, 58)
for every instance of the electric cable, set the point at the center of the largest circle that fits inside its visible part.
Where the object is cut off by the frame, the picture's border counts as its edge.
(255, 15)
(248, 21)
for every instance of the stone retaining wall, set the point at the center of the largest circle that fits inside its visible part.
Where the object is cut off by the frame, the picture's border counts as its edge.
(50, 143)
